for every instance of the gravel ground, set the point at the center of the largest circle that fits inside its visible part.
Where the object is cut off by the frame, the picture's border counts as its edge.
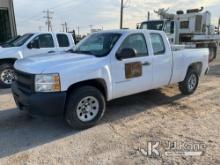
(121, 138)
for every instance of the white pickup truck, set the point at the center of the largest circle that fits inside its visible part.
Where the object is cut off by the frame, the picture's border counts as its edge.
(28, 45)
(104, 66)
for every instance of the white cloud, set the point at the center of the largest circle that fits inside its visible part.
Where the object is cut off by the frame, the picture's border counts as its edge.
(99, 13)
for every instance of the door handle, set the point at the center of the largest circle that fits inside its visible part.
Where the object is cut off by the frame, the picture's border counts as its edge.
(146, 63)
(51, 51)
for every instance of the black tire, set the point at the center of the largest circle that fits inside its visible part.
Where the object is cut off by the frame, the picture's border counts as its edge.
(3, 67)
(74, 101)
(184, 86)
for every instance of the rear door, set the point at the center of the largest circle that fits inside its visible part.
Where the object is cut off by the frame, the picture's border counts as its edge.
(132, 75)
(162, 60)
(64, 42)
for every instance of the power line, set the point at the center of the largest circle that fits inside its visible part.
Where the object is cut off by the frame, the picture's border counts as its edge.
(49, 19)
(59, 5)
(38, 16)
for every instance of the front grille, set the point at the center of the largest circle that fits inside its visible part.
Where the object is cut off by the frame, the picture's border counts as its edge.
(25, 81)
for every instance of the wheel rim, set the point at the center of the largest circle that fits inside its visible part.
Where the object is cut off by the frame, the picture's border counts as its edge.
(87, 109)
(7, 76)
(192, 82)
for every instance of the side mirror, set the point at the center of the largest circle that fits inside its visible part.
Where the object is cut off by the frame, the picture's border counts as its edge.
(33, 45)
(126, 53)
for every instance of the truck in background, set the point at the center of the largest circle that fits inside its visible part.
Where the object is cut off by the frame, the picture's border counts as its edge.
(192, 29)
(30, 44)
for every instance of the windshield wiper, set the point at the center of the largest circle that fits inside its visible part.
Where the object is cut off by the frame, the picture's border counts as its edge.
(82, 52)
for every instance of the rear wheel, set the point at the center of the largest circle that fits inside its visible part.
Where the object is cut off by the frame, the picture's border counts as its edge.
(190, 83)
(7, 75)
(85, 107)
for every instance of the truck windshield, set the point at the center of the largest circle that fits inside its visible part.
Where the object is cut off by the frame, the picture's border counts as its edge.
(21, 40)
(98, 44)
(152, 25)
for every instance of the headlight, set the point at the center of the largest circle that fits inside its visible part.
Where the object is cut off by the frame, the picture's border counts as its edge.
(47, 83)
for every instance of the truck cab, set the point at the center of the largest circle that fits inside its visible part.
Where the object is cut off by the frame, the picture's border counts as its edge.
(166, 25)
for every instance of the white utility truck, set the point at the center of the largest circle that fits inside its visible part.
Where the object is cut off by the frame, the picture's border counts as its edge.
(29, 45)
(102, 67)
(192, 29)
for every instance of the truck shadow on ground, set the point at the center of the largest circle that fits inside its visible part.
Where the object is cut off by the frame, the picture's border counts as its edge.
(214, 70)
(18, 132)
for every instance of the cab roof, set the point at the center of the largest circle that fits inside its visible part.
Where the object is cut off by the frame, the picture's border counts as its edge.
(126, 31)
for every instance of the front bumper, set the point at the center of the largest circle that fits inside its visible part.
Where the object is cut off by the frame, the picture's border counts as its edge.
(43, 104)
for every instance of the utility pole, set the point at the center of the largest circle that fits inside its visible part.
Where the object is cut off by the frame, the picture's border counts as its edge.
(148, 15)
(90, 26)
(66, 28)
(63, 27)
(219, 25)
(78, 28)
(40, 28)
(122, 12)
(49, 19)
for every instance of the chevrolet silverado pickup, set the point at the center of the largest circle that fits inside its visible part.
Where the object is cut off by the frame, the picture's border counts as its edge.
(102, 67)
(28, 45)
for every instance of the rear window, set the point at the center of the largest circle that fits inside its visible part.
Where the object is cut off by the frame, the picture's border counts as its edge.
(63, 40)
(158, 44)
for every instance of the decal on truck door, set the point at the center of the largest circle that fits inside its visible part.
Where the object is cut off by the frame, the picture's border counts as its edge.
(133, 70)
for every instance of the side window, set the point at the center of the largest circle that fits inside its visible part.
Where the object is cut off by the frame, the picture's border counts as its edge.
(137, 42)
(44, 41)
(157, 44)
(172, 27)
(168, 27)
(63, 40)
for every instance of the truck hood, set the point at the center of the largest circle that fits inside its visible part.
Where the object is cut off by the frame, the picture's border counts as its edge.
(51, 62)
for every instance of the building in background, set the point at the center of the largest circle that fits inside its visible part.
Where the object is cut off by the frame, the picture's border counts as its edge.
(7, 20)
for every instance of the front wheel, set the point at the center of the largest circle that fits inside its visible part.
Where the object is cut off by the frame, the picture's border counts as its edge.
(7, 75)
(85, 107)
(190, 83)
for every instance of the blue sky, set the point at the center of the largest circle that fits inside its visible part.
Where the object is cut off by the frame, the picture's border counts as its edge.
(99, 13)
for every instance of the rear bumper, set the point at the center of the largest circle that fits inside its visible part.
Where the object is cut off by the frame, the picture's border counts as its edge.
(43, 104)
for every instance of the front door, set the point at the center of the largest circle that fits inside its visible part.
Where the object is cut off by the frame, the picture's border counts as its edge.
(45, 44)
(132, 75)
